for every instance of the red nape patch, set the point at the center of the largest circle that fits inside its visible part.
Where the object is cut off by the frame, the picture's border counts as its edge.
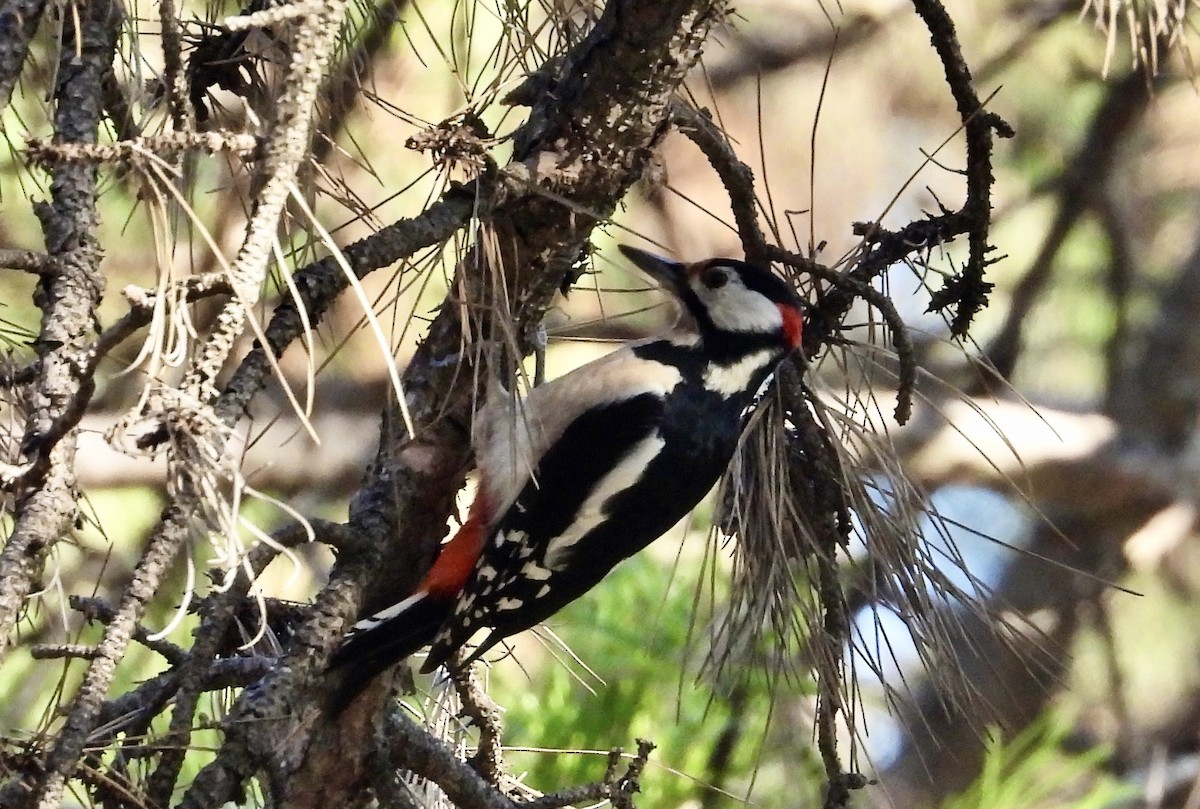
(454, 564)
(793, 324)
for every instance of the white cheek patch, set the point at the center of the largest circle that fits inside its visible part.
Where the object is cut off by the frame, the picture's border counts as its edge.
(622, 476)
(729, 380)
(734, 308)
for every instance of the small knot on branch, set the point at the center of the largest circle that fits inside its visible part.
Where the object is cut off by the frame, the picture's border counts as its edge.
(1000, 126)
(838, 794)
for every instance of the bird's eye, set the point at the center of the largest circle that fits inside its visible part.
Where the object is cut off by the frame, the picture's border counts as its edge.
(715, 277)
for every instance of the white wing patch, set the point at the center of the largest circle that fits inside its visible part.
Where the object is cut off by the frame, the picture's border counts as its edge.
(383, 616)
(621, 477)
(729, 380)
(512, 436)
(503, 538)
(535, 572)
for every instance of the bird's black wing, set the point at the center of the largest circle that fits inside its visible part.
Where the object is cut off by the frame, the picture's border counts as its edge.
(512, 587)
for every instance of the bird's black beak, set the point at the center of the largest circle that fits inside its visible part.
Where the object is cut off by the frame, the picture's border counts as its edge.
(671, 274)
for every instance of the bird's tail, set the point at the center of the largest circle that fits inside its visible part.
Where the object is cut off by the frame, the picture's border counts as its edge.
(383, 639)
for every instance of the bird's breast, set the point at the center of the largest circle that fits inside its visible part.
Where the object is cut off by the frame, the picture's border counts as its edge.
(700, 428)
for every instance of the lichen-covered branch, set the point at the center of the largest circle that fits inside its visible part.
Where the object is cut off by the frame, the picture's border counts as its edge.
(146, 150)
(174, 79)
(67, 295)
(218, 612)
(312, 44)
(89, 698)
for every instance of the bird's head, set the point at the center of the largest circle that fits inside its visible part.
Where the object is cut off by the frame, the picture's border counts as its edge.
(727, 297)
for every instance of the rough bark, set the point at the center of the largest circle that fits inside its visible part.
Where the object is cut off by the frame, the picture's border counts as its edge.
(582, 147)
(19, 20)
(68, 295)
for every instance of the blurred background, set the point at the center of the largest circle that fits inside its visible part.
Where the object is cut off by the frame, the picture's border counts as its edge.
(1065, 478)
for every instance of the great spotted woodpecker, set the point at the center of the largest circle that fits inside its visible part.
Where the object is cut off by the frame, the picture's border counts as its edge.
(592, 467)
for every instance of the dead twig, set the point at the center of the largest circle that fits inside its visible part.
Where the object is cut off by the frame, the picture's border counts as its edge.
(738, 178)
(485, 715)
(146, 149)
(967, 291)
(30, 261)
(97, 609)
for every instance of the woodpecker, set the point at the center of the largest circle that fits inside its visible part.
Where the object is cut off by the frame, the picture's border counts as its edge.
(592, 467)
